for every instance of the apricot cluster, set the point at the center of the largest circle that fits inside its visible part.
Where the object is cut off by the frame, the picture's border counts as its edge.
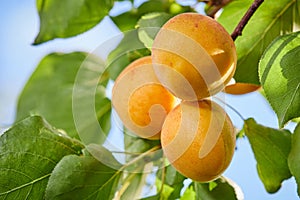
(193, 58)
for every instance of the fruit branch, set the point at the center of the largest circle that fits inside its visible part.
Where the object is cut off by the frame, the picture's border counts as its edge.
(239, 28)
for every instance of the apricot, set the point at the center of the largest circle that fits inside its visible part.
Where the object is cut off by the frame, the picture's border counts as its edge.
(198, 139)
(140, 101)
(193, 56)
(241, 88)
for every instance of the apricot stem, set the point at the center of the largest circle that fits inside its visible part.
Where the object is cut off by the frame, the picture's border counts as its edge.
(239, 28)
(127, 153)
(140, 157)
(162, 178)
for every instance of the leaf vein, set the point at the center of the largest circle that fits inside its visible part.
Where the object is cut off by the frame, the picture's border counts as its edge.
(25, 185)
(290, 102)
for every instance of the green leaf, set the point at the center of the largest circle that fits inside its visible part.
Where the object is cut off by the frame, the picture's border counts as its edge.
(294, 156)
(223, 188)
(155, 197)
(271, 148)
(126, 21)
(272, 18)
(173, 179)
(133, 185)
(153, 6)
(62, 19)
(212, 185)
(29, 152)
(165, 192)
(149, 25)
(82, 177)
(189, 193)
(279, 75)
(296, 120)
(50, 88)
(129, 49)
(136, 145)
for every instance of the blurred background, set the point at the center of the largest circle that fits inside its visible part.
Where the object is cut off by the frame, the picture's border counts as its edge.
(19, 24)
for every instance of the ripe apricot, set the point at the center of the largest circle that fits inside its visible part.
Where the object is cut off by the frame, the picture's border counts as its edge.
(240, 88)
(193, 56)
(140, 101)
(198, 139)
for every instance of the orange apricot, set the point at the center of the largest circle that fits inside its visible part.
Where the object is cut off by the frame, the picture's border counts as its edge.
(193, 56)
(241, 88)
(140, 101)
(198, 139)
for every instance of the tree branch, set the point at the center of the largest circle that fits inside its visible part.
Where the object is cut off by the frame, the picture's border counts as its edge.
(239, 28)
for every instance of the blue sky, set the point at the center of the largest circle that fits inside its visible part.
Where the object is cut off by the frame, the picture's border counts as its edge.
(19, 24)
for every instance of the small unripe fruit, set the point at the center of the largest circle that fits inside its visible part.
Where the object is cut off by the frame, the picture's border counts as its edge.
(193, 56)
(139, 99)
(198, 140)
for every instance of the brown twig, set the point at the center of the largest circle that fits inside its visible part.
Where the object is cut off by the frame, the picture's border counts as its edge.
(239, 28)
(214, 6)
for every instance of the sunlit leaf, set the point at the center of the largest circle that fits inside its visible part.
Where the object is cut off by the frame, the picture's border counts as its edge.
(279, 75)
(271, 148)
(155, 197)
(294, 156)
(29, 152)
(149, 25)
(273, 18)
(163, 189)
(136, 145)
(49, 92)
(62, 19)
(222, 188)
(82, 177)
(133, 186)
(188, 194)
(128, 50)
(126, 21)
(173, 179)
(153, 6)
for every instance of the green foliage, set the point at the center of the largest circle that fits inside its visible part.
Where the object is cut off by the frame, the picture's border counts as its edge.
(294, 156)
(189, 193)
(128, 20)
(29, 152)
(129, 49)
(173, 180)
(273, 18)
(271, 148)
(148, 26)
(132, 186)
(136, 145)
(163, 189)
(69, 91)
(279, 75)
(61, 19)
(84, 174)
(49, 91)
(222, 188)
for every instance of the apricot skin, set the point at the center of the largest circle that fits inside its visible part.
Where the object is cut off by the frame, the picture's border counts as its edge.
(198, 48)
(135, 92)
(241, 88)
(202, 155)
